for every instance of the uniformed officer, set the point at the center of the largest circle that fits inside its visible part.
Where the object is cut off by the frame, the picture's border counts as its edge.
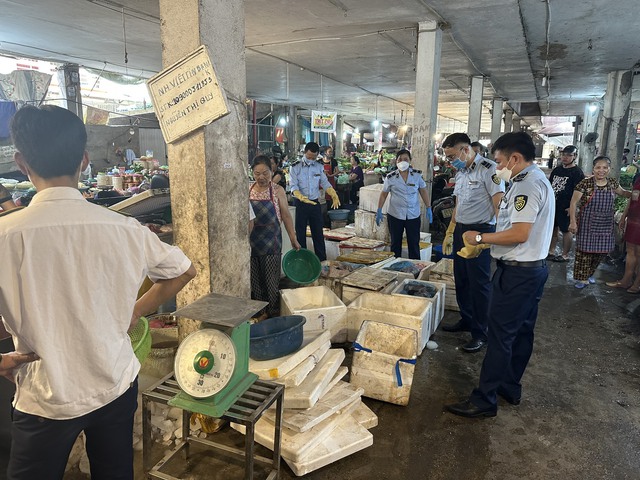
(478, 192)
(306, 178)
(405, 185)
(519, 245)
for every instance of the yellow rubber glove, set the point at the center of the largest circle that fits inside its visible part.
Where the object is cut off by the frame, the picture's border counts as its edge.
(335, 201)
(302, 198)
(447, 243)
(472, 251)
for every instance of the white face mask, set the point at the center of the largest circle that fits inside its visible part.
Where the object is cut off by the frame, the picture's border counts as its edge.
(505, 173)
(402, 166)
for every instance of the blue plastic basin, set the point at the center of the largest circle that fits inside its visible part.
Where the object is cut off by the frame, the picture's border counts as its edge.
(276, 337)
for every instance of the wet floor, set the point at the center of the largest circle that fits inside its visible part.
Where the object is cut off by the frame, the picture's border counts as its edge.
(579, 417)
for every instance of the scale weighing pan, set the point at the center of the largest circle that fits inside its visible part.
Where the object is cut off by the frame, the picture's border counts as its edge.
(212, 364)
(144, 203)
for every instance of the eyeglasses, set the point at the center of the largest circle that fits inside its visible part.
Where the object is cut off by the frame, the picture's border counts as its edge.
(451, 158)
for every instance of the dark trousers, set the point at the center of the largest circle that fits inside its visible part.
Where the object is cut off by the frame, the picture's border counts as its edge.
(512, 318)
(396, 228)
(473, 282)
(311, 214)
(40, 447)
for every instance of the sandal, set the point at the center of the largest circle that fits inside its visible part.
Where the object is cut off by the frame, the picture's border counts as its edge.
(633, 290)
(617, 284)
(560, 259)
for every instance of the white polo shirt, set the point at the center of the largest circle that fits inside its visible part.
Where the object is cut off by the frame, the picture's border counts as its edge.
(69, 277)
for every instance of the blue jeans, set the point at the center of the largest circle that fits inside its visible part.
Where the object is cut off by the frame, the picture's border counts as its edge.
(40, 446)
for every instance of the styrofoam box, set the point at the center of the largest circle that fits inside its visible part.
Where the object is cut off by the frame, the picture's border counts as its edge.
(358, 243)
(402, 275)
(425, 253)
(438, 299)
(369, 197)
(330, 246)
(366, 227)
(400, 310)
(320, 306)
(375, 371)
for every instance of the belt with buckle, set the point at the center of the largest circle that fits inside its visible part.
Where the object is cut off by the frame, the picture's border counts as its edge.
(513, 263)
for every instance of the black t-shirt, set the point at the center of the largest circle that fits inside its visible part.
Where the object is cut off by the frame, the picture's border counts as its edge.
(563, 181)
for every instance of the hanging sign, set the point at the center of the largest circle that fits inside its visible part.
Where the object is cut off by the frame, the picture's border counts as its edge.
(323, 121)
(187, 95)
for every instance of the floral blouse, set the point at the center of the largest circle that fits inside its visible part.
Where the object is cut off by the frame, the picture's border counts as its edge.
(588, 187)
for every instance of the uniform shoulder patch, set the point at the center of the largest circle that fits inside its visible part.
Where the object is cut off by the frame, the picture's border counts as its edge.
(520, 202)
(485, 164)
(392, 174)
(495, 179)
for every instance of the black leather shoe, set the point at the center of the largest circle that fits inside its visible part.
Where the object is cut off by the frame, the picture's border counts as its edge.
(469, 410)
(474, 346)
(507, 398)
(456, 327)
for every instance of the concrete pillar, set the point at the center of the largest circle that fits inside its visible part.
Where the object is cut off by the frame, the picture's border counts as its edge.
(425, 118)
(339, 137)
(577, 128)
(587, 150)
(508, 120)
(496, 118)
(616, 117)
(209, 187)
(475, 108)
(515, 127)
(69, 78)
(630, 140)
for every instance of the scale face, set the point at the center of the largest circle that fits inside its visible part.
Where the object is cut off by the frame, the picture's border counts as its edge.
(205, 362)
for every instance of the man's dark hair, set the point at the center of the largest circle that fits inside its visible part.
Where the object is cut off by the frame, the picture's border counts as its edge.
(51, 139)
(455, 139)
(261, 160)
(516, 142)
(477, 144)
(403, 152)
(313, 147)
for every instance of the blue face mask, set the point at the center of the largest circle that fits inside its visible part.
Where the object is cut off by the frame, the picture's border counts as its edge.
(458, 164)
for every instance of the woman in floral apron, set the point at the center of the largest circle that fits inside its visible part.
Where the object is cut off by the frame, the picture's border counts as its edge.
(593, 225)
(269, 204)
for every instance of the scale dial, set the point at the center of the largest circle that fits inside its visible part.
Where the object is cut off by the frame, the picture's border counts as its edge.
(205, 362)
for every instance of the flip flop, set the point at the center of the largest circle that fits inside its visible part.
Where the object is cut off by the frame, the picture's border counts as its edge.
(633, 290)
(560, 259)
(617, 284)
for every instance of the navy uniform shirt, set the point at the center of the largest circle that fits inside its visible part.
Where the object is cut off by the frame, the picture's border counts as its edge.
(530, 200)
(475, 187)
(405, 198)
(308, 176)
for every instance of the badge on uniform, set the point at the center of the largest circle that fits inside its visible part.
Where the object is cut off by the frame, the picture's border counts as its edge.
(495, 179)
(520, 202)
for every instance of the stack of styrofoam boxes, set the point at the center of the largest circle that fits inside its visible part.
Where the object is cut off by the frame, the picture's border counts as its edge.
(360, 243)
(321, 307)
(443, 272)
(333, 272)
(324, 418)
(365, 217)
(438, 298)
(384, 361)
(331, 248)
(399, 310)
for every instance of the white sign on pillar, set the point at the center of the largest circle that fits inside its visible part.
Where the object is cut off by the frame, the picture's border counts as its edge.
(187, 95)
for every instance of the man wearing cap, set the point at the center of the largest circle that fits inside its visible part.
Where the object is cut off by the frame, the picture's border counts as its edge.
(564, 179)
(478, 192)
(307, 178)
(525, 222)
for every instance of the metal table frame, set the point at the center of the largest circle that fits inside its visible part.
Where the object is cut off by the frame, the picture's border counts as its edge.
(246, 411)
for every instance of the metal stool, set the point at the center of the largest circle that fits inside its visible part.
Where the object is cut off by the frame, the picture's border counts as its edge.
(246, 411)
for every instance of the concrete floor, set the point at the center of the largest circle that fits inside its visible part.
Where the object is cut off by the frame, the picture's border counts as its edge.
(579, 417)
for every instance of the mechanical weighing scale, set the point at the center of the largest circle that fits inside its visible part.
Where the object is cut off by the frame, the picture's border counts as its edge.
(212, 378)
(212, 364)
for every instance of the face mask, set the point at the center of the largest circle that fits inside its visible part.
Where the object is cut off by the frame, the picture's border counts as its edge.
(458, 164)
(402, 166)
(505, 173)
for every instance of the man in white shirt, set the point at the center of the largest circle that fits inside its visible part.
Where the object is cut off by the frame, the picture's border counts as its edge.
(68, 285)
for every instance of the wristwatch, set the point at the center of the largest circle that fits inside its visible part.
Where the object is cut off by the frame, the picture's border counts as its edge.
(479, 238)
